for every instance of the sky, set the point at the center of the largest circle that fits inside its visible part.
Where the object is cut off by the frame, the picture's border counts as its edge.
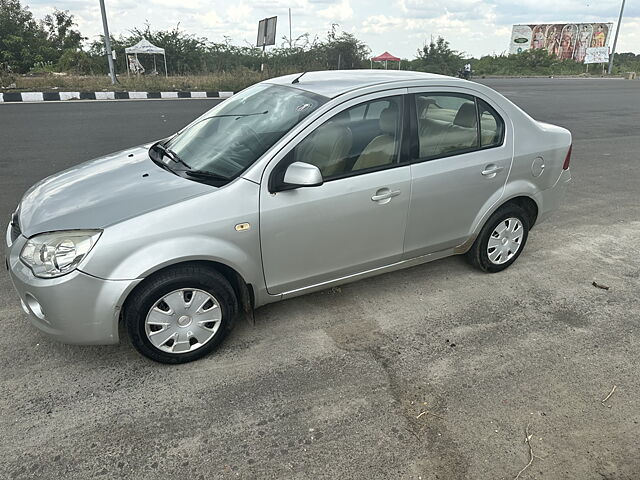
(476, 27)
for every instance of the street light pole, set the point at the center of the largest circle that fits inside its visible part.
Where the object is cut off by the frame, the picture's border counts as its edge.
(107, 43)
(290, 38)
(615, 40)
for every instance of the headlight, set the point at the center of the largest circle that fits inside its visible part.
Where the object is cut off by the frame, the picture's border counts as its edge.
(56, 253)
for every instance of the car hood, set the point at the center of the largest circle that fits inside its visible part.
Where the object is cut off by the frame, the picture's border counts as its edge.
(102, 192)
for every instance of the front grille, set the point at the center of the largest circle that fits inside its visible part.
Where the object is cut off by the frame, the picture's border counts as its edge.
(15, 227)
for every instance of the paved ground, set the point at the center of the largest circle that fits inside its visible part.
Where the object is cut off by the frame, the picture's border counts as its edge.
(330, 385)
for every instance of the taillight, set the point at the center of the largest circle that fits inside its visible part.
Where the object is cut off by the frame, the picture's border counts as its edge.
(567, 159)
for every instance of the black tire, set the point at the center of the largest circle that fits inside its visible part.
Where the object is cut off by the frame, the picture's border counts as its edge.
(478, 255)
(155, 287)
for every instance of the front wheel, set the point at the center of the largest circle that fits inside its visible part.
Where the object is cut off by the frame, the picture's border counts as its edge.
(501, 240)
(181, 314)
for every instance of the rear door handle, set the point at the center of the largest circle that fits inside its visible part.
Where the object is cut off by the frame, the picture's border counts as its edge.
(385, 194)
(491, 170)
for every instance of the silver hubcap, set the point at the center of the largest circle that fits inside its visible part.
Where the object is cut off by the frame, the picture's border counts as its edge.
(183, 320)
(505, 241)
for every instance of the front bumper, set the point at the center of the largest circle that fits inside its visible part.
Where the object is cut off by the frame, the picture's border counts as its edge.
(74, 308)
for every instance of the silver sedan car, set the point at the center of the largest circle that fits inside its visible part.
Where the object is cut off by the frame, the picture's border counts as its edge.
(293, 185)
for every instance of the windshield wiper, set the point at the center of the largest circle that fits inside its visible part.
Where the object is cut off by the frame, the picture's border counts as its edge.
(206, 174)
(169, 153)
(158, 161)
(239, 115)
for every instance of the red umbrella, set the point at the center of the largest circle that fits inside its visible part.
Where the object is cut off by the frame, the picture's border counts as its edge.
(386, 57)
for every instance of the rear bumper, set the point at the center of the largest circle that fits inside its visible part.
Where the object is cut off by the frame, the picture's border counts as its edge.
(74, 308)
(549, 200)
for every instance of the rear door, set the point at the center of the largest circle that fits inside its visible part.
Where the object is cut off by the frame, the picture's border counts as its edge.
(356, 220)
(461, 154)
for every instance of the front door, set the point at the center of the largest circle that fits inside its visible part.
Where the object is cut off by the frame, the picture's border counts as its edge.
(356, 219)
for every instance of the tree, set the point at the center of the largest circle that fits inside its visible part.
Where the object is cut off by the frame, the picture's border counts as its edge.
(60, 33)
(25, 42)
(438, 57)
(22, 42)
(344, 51)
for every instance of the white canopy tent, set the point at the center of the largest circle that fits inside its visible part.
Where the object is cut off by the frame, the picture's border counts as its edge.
(146, 47)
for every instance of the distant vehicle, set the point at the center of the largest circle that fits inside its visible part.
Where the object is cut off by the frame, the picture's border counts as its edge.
(465, 72)
(293, 185)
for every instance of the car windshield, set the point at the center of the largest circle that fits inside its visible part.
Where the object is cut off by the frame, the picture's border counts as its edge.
(229, 138)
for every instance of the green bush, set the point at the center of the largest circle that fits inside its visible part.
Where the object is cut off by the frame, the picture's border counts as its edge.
(79, 62)
(626, 62)
(530, 62)
(42, 67)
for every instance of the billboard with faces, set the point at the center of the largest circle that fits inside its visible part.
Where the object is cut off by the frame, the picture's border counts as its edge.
(566, 41)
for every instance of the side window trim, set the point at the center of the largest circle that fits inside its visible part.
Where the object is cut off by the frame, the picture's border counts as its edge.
(414, 148)
(406, 130)
(414, 153)
(476, 102)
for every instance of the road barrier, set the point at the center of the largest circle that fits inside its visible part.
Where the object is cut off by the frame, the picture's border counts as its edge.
(62, 96)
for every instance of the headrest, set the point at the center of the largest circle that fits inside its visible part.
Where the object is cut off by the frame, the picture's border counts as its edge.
(423, 105)
(332, 132)
(389, 120)
(342, 118)
(466, 116)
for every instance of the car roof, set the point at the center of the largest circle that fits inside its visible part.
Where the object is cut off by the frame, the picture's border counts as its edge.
(332, 83)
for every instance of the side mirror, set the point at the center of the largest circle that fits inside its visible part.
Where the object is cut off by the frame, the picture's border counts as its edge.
(300, 174)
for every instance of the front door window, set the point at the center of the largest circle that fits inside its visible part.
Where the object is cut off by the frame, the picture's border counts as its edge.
(362, 138)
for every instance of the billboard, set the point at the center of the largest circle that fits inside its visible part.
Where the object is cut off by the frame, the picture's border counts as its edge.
(597, 55)
(567, 41)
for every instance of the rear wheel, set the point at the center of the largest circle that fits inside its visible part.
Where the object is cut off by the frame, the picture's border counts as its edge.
(180, 314)
(501, 240)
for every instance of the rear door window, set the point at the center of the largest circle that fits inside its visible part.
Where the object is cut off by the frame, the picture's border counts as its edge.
(447, 124)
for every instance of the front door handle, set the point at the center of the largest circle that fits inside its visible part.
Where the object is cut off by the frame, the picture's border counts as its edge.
(385, 194)
(491, 170)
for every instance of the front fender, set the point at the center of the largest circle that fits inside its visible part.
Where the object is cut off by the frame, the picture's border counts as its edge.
(201, 228)
(147, 259)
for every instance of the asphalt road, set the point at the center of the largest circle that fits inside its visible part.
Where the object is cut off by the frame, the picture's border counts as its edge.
(332, 385)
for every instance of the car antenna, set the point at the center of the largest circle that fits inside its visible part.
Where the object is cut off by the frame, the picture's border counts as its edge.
(297, 79)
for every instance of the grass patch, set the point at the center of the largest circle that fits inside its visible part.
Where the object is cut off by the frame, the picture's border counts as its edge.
(208, 82)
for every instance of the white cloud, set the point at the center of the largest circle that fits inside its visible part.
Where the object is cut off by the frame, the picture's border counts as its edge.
(238, 13)
(338, 12)
(443, 23)
(211, 19)
(183, 4)
(629, 35)
(399, 26)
